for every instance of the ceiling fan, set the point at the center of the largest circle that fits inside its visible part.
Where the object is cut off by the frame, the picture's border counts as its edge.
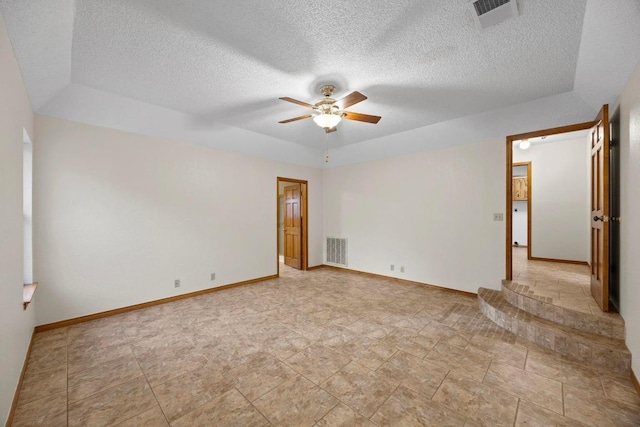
(329, 112)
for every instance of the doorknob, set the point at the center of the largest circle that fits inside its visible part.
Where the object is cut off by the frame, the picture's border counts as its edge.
(602, 218)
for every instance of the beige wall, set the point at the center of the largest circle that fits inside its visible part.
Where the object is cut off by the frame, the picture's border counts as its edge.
(120, 216)
(629, 105)
(16, 325)
(430, 212)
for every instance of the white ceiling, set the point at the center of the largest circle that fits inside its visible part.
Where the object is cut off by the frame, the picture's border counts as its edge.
(567, 136)
(211, 72)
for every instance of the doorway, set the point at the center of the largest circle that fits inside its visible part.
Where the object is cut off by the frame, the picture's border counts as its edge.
(512, 140)
(597, 207)
(292, 223)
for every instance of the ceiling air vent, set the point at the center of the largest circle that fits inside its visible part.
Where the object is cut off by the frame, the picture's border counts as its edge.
(492, 12)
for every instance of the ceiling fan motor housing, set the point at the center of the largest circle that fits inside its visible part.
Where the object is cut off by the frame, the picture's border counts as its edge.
(327, 106)
(327, 90)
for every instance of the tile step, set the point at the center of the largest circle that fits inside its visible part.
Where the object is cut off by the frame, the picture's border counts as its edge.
(599, 351)
(522, 296)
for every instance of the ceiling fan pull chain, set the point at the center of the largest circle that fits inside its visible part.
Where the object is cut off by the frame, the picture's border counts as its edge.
(326, 155)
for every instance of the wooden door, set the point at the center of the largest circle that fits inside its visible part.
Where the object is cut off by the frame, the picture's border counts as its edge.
(292, 226)
(600, 209)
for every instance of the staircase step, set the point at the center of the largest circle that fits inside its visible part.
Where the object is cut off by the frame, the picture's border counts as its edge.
(598, 351)
(522, 296)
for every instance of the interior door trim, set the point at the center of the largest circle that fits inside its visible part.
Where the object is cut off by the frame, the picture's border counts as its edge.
(509, 178)
(304, 188)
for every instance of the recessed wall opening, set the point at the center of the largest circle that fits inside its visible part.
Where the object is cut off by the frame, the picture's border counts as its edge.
(521, 206)
(292, 223)
(571, 215)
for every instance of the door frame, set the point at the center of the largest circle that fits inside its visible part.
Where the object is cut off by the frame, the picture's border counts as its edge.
(509, 179)
(614, 210)
(304, 244)
(529, 188)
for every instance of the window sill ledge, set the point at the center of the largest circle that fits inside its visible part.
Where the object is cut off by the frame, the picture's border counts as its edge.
(27, 293)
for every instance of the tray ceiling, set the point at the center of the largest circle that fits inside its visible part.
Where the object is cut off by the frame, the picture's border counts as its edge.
(218, 67)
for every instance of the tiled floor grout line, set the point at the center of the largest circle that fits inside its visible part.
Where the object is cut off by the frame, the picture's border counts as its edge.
(346, 403)
(151, 388)
(250, 403)
(385, 401)
(487, 371)
(333, 395)
(338, 403)
(515, 416)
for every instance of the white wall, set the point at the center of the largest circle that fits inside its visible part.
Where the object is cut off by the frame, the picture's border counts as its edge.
(430, 212)
(16, 325)
(120, 216)
(629, 105)
(559, 198)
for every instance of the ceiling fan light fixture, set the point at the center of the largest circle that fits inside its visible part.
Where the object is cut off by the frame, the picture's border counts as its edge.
(524, 144)
(327, 120)
(328, 112)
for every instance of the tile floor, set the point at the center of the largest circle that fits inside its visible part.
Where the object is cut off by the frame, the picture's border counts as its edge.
(567, 284)
(321, 348)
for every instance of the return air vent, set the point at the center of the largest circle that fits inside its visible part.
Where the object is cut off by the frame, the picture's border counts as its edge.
(337, 251)
(487, 13)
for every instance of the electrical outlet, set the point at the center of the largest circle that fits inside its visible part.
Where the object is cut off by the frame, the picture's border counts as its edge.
(498, 217)
(393, 267)
(402, 269)
(176, 283)
(213, 276)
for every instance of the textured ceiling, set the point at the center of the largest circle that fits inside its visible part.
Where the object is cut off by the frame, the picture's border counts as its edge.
(211, 72)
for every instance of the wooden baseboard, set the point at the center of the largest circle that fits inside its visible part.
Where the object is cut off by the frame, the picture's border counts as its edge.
(410, 282)
(315, 267)
(562, 261)
(81, 319)
(635, 382)
(16, 395)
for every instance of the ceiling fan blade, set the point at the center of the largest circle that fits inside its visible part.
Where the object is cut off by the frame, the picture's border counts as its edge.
(361, 117)
(349, 100)
(333, 129)
(306, 116)
(295, 101)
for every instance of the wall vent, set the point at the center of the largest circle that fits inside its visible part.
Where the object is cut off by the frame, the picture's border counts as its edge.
(487, 13)
(337, 251)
